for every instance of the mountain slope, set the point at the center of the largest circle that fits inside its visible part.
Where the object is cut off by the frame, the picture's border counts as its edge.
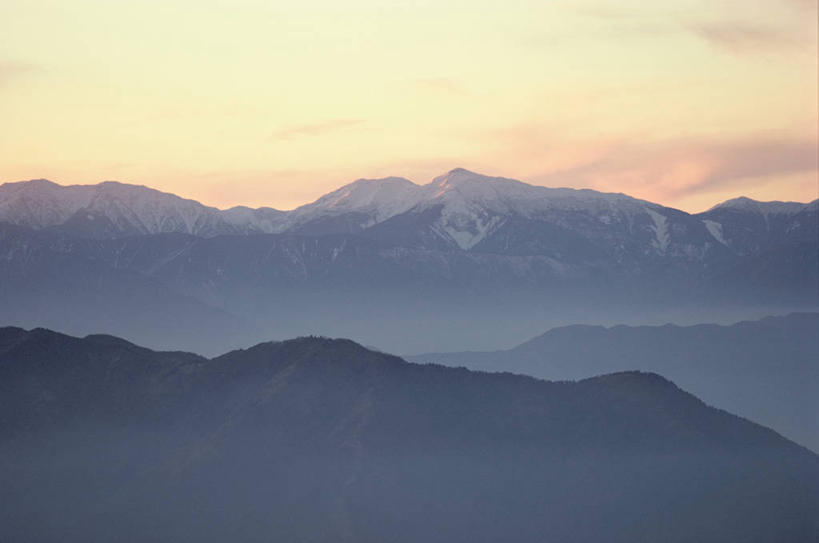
(381, 292)
(47, 281)
(112, 210)
(465, 260)
(750, 227)
(766, 370)
(461, 209)
(319, 440)
(458, 211)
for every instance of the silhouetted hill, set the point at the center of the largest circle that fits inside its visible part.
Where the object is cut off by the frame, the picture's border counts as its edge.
(766, 370)
(322, 440)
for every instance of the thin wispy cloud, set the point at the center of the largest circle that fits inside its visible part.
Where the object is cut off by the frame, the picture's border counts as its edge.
(730, 34)
(443, 84)
(809, 5)
(681, 168)
(739, 38)
(738, 161)
(315, 129)
(10, 70)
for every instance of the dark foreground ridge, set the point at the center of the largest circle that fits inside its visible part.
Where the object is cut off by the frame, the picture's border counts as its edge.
(316, 439)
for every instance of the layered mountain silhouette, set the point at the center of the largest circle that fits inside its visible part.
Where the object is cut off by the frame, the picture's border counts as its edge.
(316, 439)
(766, 370)
(464, 260)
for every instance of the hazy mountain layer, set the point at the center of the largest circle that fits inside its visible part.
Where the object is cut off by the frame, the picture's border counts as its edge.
(464, 261)
(766, 370)
(323, 440)
(460, 209)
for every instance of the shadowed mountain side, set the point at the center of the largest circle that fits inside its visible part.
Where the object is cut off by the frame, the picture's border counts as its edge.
(766, 370)
(213, 294)
(466, 260)
(317, 440)
(44, 283)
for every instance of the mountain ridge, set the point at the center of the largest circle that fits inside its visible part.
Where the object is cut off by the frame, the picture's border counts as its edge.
(376, 257)
(316, 439)
(471, 202)
(764, 369)
(732, 202)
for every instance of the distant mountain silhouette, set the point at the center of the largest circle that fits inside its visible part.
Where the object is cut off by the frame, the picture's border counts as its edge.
(408, 267)
(322, 440)
(766, 370)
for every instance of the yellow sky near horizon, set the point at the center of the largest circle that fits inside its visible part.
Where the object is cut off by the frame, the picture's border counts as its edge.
(683, 102)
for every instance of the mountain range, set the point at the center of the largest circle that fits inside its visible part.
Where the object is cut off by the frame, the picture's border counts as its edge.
(316, 439)
(466, 260)
(459, 209)
(766, 370)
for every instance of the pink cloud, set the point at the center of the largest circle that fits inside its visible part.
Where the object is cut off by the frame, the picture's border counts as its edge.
(11, 70)
(675, 169)
(741, 38)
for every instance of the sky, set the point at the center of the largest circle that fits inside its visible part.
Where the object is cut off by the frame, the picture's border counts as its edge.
(681, 102)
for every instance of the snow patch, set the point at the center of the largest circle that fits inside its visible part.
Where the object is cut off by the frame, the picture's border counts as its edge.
(660, 228)
(715, 229)
(468, 234)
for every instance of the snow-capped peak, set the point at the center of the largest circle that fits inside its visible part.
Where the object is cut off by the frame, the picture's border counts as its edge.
(40, 203)
(379, 199)
(476, 187)
(766, 208)
(248, 219)
(503, 195)
(375, 194)
(108, 209)
(461, 207)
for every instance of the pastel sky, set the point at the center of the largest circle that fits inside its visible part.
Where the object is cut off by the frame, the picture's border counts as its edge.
(682, 102)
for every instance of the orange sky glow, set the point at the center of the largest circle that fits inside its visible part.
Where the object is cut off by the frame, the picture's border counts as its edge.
(682, 102)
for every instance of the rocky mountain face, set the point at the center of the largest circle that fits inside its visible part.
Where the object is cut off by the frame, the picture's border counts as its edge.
(408, 267)
(316, 439)
(765, 370)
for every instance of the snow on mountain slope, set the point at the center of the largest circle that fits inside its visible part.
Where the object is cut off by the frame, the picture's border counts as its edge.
(715, 229)
(148, 211)
(466, 208)
(39, 203)
(660, 230)
(748, 226)
(264, 219)
(764, 208)
(471, 206)
(112, 209)
(502, 195)
(376, 200)
(459, 210)
(475, 206)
